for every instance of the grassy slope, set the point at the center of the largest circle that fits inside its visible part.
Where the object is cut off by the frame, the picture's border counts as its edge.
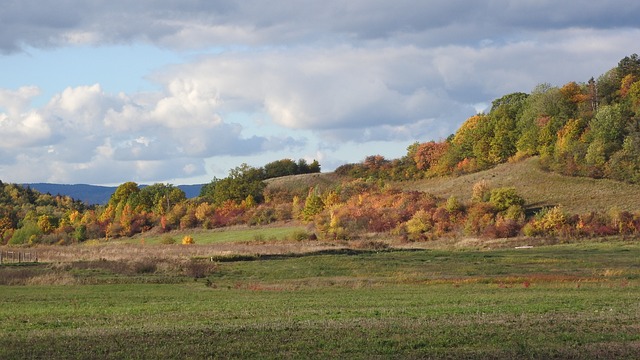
(540, 188)
(301, 183)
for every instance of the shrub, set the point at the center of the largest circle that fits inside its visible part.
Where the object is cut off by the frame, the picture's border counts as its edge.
(300, 235)
(506, 228)
(199, 269)
(419, 224)
(453, 205)
(481, 191)
(262, 215)
(479, 216)
(552, 219)
(547, 221)
(188, 221)
(28, 232)
(146, 266)
(167, 240)
(503, 198)
(187, 240)
(515, 213)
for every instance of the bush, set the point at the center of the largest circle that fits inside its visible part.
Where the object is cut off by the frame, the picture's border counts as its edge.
(479, 216)
(146, 266)
(481, 191)
(453, 205)
(548, 221)
(187, 240)
(503, 198)
(167, 240)
(300, 235)
(419, 224)
(27, 233)
(199, 269)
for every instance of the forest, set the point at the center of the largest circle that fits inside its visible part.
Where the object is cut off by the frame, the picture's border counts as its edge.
(582, 129)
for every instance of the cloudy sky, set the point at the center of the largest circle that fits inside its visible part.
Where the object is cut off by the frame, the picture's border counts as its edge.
(180, 91)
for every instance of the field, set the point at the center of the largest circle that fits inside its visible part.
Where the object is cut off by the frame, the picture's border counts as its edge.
(578, 300)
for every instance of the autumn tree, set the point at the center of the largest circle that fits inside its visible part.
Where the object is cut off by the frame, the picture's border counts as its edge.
(429, 153)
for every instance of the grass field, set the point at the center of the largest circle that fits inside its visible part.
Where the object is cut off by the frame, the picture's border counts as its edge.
(224, 235)
(563, 301)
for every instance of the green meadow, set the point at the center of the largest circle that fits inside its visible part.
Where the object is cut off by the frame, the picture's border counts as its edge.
(564, 301)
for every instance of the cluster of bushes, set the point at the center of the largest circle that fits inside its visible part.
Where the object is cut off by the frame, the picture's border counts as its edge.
(492, 213)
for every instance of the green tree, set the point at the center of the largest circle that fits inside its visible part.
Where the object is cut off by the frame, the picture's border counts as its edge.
(629, 65)
(607, 132)
(280, 168)
(27, 233)
(625, 164)
(241, 182)
(123, 192)
(160, 197)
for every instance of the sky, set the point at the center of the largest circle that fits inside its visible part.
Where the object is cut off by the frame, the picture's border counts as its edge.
(182, 91)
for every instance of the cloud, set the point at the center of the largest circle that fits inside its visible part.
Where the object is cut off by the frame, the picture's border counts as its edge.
(322, 89)
(83, 132)
(200, 24)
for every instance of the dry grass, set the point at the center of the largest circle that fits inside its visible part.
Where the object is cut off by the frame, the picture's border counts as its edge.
(539, 188)
(301, 183)
(129, 252)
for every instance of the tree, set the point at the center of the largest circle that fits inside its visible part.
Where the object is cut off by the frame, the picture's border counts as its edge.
(629, 65)
(607, 130)
(159, 198)
(313, 205)
(624, 165)
(242, 181)
(280, 168)
(427, 154)
(123, 193)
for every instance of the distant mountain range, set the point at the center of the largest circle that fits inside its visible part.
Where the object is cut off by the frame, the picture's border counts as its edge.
(96, 195)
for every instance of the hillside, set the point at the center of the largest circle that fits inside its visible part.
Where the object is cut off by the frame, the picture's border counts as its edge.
(538, 187)
(301, 183)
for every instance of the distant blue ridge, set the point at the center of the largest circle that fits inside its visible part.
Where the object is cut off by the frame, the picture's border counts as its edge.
(94, 194)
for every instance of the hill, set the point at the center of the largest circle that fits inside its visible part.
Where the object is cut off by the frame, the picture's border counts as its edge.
(96, 195)
(539, 188)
